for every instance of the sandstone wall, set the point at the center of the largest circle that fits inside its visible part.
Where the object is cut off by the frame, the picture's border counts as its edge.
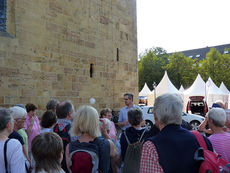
(50, 46)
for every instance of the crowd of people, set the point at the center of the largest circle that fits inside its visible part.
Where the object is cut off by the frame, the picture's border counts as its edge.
(65, 140)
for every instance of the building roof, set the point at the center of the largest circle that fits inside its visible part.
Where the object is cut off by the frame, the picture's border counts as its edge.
(201, 52)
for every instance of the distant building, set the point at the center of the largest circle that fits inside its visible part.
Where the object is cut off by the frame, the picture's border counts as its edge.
(201, 52)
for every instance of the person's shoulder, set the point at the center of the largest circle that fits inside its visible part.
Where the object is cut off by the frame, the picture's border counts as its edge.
(123, 108)
(13, 143)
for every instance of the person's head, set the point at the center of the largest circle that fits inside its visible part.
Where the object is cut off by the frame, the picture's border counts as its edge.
(168, 109)
(52, 104)
(49, 119)
(218, 104)
(106, 113)
(31, 109)
(128, 98)
(135, 116)
(217, 117)
(47, 150)
(20, 105)
(19, 115)
(6, 121)
(64, 110)
(86, 120)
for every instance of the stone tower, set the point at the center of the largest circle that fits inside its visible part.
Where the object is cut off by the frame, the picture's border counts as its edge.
(68, 49)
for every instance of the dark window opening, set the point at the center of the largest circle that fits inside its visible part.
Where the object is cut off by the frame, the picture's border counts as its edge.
(117, 54)
(3, 15)
(91, 70)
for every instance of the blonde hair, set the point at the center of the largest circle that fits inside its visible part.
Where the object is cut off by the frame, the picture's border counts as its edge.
(86, 120)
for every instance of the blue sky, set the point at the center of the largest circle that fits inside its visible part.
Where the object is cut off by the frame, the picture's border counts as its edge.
(177, 25)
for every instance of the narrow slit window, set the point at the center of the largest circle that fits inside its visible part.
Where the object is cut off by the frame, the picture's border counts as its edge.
(117, 54)
(91, 70)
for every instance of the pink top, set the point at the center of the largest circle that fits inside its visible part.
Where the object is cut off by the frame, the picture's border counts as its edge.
(35, 130)
(221, 144)
(113, 132)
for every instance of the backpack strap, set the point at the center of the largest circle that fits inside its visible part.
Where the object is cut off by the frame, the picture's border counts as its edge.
(66, 128)
(200, 139)
(126, 138)
(142, 135)
(5, 158)
(139, 139)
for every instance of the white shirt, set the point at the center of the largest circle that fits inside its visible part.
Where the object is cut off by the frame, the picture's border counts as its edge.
(15, 157)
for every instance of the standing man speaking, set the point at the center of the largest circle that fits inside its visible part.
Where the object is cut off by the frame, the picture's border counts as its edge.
(123, 117)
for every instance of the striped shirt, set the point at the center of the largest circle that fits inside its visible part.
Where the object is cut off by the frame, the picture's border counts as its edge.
(221, 144)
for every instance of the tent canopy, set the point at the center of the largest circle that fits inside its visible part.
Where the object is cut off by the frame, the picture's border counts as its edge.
(145, 91)
(165, 86)
(224, 88)
(197, 88)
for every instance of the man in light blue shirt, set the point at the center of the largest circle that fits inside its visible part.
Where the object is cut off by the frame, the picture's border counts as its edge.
(123, 117)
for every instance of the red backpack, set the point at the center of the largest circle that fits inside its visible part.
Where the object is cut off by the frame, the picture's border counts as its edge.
(212, 162)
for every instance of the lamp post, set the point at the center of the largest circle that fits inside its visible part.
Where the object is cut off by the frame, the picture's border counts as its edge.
(154, 87)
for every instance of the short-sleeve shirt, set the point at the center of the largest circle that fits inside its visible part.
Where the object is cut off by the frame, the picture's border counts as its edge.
(221, 144)
(15, 157)
(25, 138)
(34, 131)
(124, 115)
(16, 135)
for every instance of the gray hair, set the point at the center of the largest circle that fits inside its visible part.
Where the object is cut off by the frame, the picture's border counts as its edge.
(52, 104)
(86, 120)
(18, 112)
(63, 109)
(5, 118)
(218, 116)
(168, 109)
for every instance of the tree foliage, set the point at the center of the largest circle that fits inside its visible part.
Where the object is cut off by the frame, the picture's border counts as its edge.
(150, 66)
(182, 70)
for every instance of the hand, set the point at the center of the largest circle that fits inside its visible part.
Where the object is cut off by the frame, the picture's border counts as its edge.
(32, 121)
(102, 126)
(126, 123)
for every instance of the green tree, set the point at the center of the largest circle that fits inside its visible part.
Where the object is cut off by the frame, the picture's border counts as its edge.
(150, 66)
(217, 67)
(181, 70)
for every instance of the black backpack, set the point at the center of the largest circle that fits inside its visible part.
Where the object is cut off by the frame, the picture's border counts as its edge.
(64, 134)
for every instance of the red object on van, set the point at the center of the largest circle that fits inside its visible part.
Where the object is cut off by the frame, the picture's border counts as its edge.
(197, 105)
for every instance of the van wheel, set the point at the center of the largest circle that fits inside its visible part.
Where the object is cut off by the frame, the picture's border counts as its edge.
(148, 124)
(195, 125)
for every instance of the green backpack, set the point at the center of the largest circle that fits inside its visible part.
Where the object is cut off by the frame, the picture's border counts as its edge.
(133, 155)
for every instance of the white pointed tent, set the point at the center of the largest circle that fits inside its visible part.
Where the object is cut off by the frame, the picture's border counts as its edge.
(213, 92)
(181, 89)
(145, 91)
(165, 86)
(224, 88)
(226, 91)
(196, 89)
